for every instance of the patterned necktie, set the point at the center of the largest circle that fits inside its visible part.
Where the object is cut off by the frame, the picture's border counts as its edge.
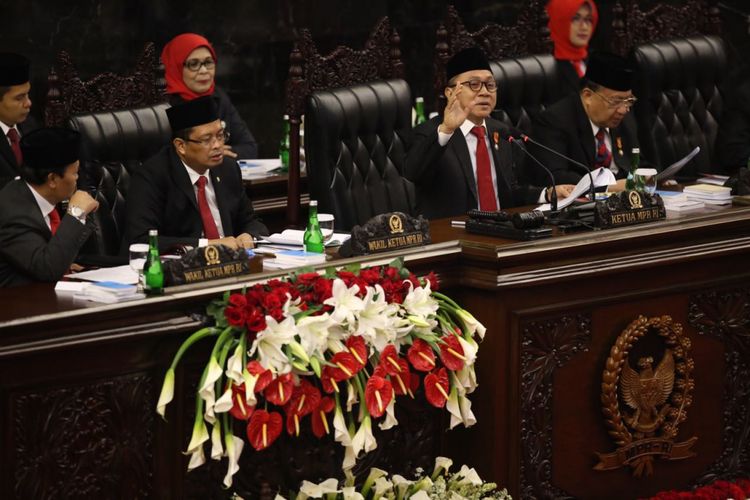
(603, 155)
(485, 189)
(54, 221)
(209, 225)
(15, 145)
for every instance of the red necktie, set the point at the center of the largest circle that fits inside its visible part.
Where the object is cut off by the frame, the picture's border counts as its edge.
(485, 189)
(579, 67)
(209, 225)
(16, 146)
(603, 155)
(54, 221)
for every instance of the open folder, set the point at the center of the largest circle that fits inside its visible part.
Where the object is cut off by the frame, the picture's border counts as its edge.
(602, 177)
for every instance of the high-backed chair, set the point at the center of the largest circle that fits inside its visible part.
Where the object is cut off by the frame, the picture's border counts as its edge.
(529, 35)
(633, 25)
(680, 102)
(355, 153)
(114, 143)
(309, 71)
(68, 94)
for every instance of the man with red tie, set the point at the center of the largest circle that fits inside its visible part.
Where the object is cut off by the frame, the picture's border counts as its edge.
(36, 244)
(594, 126)
(459, 161)
(189, 191)
(15, 106)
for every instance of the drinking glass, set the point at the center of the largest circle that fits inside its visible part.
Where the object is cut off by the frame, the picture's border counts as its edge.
(137, 255)
(326, 222)
(646, 177)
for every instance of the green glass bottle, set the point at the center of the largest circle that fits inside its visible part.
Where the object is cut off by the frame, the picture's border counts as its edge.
(153, 273)
(313, 237)
(284, 145)
(631, 183)
(419, 111)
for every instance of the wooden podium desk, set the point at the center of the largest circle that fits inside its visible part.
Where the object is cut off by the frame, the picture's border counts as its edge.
(79, 381)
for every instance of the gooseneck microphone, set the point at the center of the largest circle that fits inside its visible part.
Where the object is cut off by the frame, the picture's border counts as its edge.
(511, 136)
(592, 189)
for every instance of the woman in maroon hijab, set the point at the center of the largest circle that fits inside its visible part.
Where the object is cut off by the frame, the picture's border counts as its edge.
(189, 67)
(571, 25)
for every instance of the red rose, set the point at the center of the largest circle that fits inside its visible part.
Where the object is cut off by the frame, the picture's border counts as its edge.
(370, 276)
(392, 274)
(437, 387)
(255, 320)
(378, 395)
(323, 288)
(432, 278)
(254, 297)
(263, 429)
(346, 276)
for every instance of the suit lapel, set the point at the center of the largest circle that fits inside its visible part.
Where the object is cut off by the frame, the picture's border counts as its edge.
(588, 142)
(499, 150)
(620, 155)
(182, 179)
(7, 153)
(461, 152)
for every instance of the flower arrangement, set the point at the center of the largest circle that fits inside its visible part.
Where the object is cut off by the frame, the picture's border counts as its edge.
(338, 348)
(464, 484)
(718, 490)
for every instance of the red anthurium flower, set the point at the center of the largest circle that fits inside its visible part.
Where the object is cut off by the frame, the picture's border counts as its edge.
(390, 361)
(320, 424)
(378, 394)
(345, 366)
(380, 371)
(414, 382)
(421, 356)
(356, 346)
(264, 376)
(402, 380)
(240, 409)
(279, 391)
(305, 398)
(328, 380)
(451, 353)
(293, 423)
(436, 387)
(263, 429)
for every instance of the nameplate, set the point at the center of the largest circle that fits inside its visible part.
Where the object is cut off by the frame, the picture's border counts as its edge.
(205, 264)
(388, 232)
(628, 208)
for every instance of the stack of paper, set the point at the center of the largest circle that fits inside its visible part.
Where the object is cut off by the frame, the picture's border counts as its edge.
(293, 237)
(259, 169)
(709, 194)
(679, 202)
(109, 292)
(286, 259)
(715, 179)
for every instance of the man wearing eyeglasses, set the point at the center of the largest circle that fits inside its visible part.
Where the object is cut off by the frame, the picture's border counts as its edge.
(459, 161)
(190, 191)
(594, 126)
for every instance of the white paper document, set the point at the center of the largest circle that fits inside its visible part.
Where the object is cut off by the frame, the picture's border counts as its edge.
(671, 170)
(602, 177)
(294, 237)
(258, 169)
(122, 274)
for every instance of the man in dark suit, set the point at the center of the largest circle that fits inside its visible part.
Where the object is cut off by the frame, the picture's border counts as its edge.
(189, 191)
(36, 244)
(593, 127)
(458, 161)
(15, 106)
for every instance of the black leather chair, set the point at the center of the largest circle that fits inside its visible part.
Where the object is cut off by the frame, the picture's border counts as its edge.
(113, 144)
(680, 102)
(526, 86)
(355, 153)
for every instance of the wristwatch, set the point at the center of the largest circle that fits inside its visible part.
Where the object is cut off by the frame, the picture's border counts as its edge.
(78, 213)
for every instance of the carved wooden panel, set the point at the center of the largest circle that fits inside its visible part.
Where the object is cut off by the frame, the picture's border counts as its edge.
(88, 441)
(545, 346)
(634, 25)
(68, 94)
(725, 316)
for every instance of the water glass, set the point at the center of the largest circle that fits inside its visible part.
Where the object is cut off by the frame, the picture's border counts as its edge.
(326, 222)
(137, 257)
(646, 177)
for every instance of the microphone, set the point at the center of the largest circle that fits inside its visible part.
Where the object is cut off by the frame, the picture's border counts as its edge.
(511, 135)
(592, 189)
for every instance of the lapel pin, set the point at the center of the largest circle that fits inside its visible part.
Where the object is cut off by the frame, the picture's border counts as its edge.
(496, 140)
(619, 146)
(218, 179)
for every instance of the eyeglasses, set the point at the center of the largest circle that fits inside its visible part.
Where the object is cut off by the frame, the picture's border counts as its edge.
(208, 141)
(476, 85)
(617, 103)
(577, 19)
(195, 64)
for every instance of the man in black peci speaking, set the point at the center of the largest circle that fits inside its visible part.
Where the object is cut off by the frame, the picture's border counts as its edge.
(459, 161)
(189, 191)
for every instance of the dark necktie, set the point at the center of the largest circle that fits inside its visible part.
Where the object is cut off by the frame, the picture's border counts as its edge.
(15, 145)
(485, 189)
(54, 221)
(603, 155)
(209, 225)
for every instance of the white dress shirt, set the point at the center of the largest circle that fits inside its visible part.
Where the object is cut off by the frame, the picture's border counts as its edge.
(210, 197)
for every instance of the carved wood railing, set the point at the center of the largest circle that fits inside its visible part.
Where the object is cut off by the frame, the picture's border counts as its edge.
(309, 71)
(68, 94)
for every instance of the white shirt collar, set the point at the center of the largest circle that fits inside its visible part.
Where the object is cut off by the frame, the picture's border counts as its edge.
(194, 176)
(467, 125)
(5, 128)
(595, 128)
(44, 206)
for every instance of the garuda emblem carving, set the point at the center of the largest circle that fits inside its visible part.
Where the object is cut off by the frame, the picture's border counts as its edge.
(653, 401)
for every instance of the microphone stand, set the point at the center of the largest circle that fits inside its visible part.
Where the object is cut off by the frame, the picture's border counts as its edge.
(592, 189)
(553, 196)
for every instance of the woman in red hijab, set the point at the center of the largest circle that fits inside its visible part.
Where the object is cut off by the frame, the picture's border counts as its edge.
(571, 25)
(189, 67)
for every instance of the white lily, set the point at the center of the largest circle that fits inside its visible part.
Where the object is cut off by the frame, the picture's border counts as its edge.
(195, 448)
(390, 416)
(373, 476)
(235, 365)
(467, 378)
(206, 391)
(469, 476)
(197, 458)
(291, 307)
(350, 459)
(351, 397)
(466, 414)
(400, 484)
(217, 449)
(167, 393)
(234, 447)
(269, 344)
(453, 408)
(373, 321)
(346, 304)
(313, 333)
(471, 325)
(441, 464)
(420, 495)
(351, 493)
(470, 349)
(250, 381)
(419, 302)
(224, 403)
(313, 490)
(364, 440)
(382, 485)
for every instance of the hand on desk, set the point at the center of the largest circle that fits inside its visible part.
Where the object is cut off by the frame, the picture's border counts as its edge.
(562, 190)
(235, 243)
(616, 187)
